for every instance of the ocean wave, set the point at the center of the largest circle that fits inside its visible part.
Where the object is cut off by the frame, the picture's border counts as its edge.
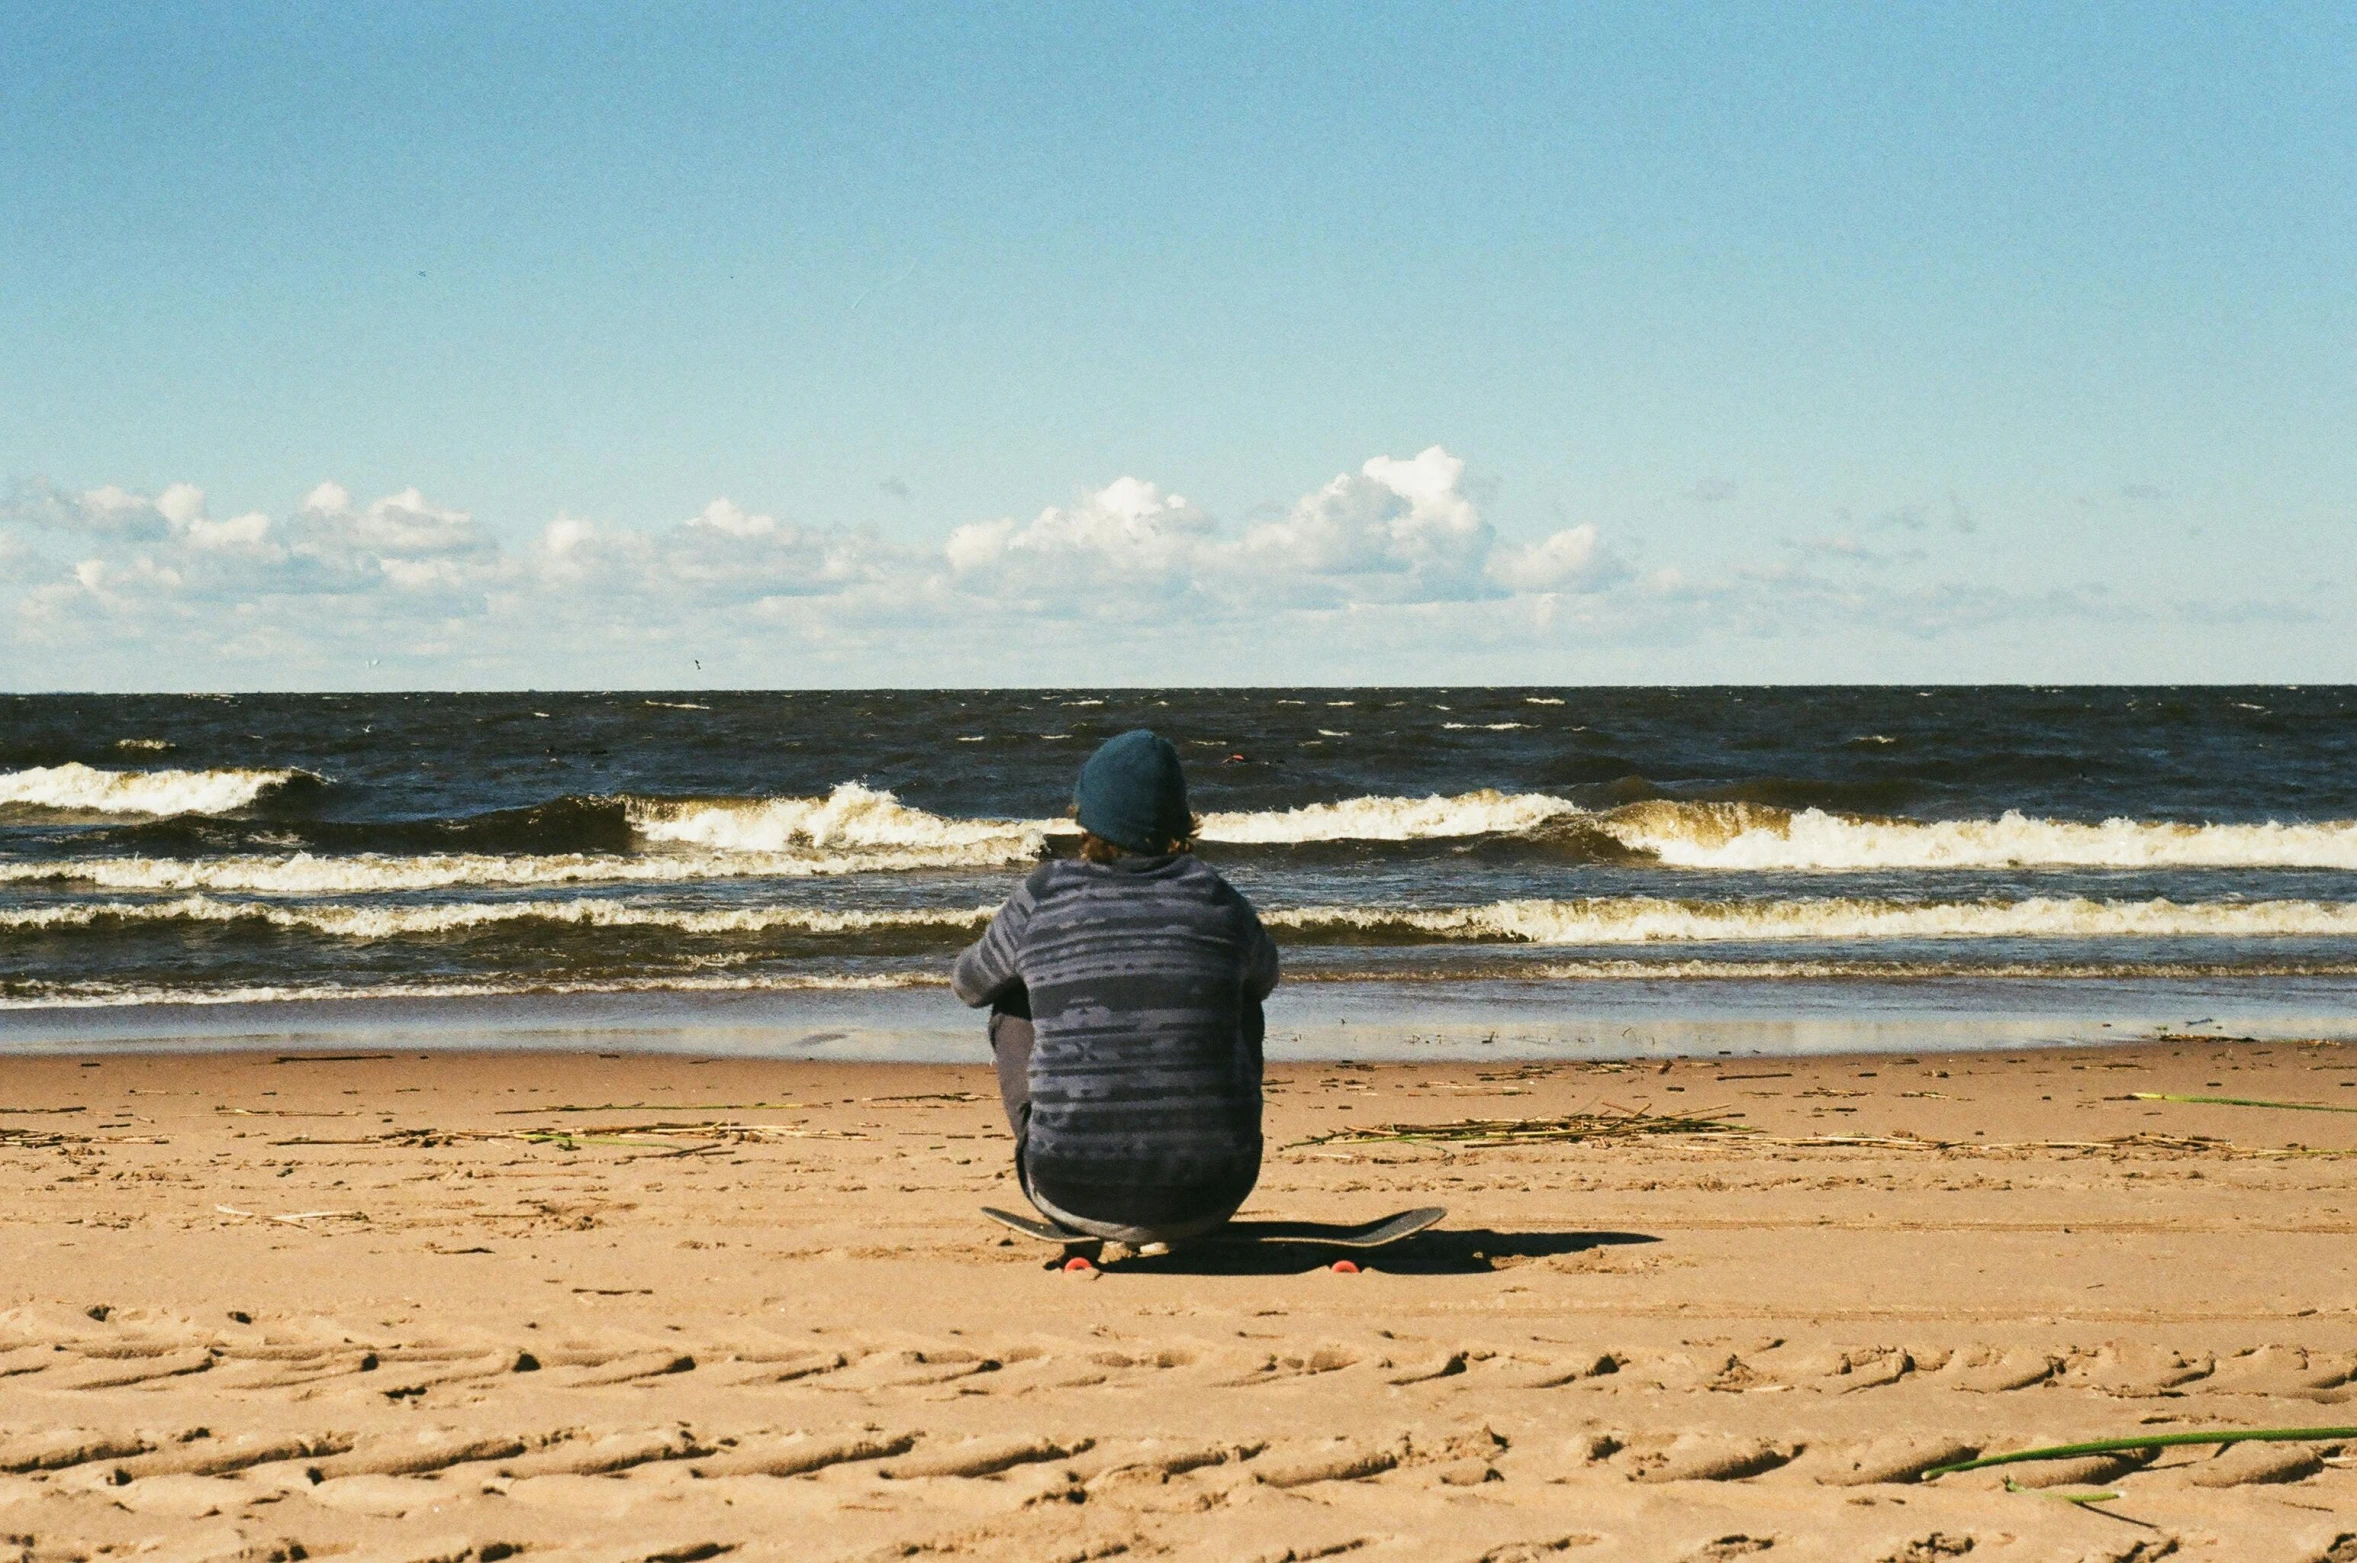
(1756, 837)
(851, 816)
(1931, 971)
(1481, 813)
(1679, 834)
(83, 995)
(85, 789)
(305, 873)
(1652, 919)
(390, 922)
(1602, 920)
(858, 829)
(133, 994)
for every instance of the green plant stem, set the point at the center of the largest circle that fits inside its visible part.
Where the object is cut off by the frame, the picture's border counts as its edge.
(2259, 1435)
(2241, 1101)
(2081, 1498)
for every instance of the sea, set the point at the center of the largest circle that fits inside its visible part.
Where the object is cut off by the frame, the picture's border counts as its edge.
(1505, 873)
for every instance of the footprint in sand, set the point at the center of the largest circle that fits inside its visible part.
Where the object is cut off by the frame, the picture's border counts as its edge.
(1990, 1370)
(2281, 1370)
(1898, 1457)
(603, 1456)
(382, 1497)
(1555, 1372)
(628, 1369)
(1703, 1457)
(63, 1448)
(1279, 1367)
(2090, 1470)
(111, 1371)
(981, 1457)
(909, 1369)
(2135, 1371)
(1340, 1461)
(1839, 1371)
(184, 1497)
(608, 1497)
(417, 1454)
(799, 1454)
(2255, 1464)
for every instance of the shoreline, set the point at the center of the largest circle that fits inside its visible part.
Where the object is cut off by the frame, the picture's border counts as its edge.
(1625, 1347)
(1310, 1021)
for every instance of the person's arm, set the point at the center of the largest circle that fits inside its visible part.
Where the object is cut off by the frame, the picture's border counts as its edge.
(1260, 961)
(985, 971)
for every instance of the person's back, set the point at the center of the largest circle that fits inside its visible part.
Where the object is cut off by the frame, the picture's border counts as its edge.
(1128, 987)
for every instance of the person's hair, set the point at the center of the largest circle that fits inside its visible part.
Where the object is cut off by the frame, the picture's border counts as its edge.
(1096, 849)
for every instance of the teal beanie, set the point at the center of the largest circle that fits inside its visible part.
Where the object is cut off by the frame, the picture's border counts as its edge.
(1132, 793)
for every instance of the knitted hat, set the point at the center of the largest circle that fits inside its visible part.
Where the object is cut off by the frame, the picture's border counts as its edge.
(1132, 794)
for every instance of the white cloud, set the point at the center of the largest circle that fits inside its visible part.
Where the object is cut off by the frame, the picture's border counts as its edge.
(181, 503)
(725, 517)
(1391, 571)
(1567, 561)
(249, 531)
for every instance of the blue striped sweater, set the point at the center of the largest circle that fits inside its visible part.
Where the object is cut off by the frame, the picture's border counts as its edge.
(1144, 979)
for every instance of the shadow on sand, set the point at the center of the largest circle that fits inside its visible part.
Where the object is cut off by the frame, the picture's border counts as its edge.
(1435, 1251)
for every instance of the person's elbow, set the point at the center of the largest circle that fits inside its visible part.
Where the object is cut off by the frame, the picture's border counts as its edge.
(969, 984)
(1260, 984)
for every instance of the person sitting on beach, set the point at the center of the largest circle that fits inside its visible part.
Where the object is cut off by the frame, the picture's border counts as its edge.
(1125, 987)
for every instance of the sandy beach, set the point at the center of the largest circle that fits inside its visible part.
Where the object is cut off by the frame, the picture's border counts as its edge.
(409, 1306)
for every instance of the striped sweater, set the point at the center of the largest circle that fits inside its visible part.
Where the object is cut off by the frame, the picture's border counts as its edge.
(1144, 980)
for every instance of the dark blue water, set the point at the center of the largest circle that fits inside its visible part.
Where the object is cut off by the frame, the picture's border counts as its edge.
(1563, 851)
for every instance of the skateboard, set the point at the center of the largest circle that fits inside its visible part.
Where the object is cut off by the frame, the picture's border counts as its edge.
(1316, 1234)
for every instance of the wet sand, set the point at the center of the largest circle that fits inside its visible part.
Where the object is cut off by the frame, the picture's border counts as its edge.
(475, 1306)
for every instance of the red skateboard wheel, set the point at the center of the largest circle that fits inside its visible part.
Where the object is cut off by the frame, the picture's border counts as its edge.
(1345, 1267)
(1076, 1264)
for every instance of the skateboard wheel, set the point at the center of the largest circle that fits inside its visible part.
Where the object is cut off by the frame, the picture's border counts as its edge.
(1077, 1264)
(1345, 1267)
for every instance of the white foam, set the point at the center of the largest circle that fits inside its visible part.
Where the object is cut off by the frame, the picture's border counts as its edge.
(1924, 971)
(1740, 836)
(91, 790)
(304, 873)
(851, 816)
(1653, 919)
(1618, 920)
(90, 997)
(387, 922)
(1391, 819)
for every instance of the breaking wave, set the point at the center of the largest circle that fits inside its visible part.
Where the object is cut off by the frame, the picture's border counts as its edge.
(388, 922)
(1620, 920)
(1485, 812)
(85, 789)
(1750, 836)
(176, 844)
(1676, 833)
(69, 995)
(851, 816)
(1651, 919)
(306, 873)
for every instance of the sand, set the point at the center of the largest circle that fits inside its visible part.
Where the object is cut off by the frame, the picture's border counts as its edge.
(368, 1307)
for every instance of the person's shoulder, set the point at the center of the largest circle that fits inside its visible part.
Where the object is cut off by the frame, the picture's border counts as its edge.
(1041, 881)
(1213, 883)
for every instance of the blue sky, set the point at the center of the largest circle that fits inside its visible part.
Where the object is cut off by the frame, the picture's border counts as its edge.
(423, 345)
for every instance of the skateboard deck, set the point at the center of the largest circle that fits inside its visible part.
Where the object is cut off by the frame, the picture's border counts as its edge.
(1319, 1234)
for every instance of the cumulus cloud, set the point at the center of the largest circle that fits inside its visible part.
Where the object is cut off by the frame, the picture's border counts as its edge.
(406, 574)
(1389, 571)
(1396, 532)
